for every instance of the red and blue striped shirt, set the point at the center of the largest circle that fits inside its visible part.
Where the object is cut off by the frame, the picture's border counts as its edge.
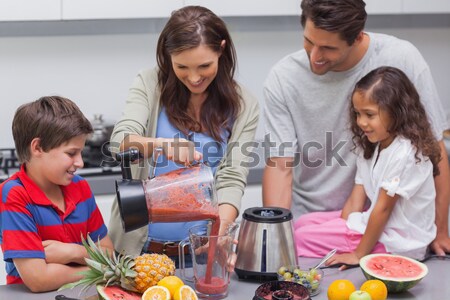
(28, 217)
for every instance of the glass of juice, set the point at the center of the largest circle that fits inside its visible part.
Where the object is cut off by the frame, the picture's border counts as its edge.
(211, 246)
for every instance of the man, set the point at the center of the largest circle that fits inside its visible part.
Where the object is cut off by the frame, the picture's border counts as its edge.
(310, 165)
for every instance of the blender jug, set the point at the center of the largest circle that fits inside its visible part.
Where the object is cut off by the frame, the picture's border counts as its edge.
(182, 195)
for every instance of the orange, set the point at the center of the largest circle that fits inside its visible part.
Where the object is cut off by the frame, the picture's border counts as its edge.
(340, 289)
(156, 292)
(172, 283)
(185, 292)
(376, 288)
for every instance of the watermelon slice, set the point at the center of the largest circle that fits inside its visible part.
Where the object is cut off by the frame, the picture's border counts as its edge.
(114, 292)
(399, 273)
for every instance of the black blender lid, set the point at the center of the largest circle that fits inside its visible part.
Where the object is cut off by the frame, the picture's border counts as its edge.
(267, 214)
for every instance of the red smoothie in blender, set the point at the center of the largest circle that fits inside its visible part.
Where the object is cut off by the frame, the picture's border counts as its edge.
(185, 201)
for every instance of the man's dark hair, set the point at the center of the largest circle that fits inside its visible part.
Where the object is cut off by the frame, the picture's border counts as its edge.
(346, 17)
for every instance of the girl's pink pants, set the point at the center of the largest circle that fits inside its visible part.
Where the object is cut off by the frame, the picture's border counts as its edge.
(318, 233)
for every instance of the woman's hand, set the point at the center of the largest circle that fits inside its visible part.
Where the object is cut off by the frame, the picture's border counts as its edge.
(179, 150)
(232, 259)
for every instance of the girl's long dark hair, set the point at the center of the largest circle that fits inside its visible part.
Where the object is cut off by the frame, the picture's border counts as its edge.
(395, 94)
(188, 28)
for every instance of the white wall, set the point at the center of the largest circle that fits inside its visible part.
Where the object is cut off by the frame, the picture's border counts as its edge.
(96, 70)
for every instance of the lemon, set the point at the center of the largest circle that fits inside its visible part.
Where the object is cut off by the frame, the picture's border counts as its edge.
(156, 293)
(185, 292)
(172, 283)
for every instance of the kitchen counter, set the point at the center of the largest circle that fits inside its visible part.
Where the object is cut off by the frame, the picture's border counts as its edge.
(434, 286)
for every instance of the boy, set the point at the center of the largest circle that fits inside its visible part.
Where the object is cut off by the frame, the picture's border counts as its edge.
(45, 207)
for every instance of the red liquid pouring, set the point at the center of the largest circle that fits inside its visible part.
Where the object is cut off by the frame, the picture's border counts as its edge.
(209, 284)
(183, 203)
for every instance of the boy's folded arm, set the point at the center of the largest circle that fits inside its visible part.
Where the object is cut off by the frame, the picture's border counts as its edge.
(65, 253)
(40, 276)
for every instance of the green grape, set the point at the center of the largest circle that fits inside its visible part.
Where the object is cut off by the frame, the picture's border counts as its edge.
(282, 270)
(313, 272)
(287, 276)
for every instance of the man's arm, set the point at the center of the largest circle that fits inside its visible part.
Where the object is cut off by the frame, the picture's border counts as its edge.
(442, 182)
(277, 182)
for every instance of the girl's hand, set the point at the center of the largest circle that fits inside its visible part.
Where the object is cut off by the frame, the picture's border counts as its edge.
(344, 258)
(180, 151)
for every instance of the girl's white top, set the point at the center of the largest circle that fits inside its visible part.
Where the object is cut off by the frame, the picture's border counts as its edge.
(411, 226)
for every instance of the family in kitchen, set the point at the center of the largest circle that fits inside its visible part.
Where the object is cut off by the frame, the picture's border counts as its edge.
(353, 131)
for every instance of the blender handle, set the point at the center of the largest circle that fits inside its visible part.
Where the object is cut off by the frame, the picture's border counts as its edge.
(182, 259)
(126, 157)
(154, 160)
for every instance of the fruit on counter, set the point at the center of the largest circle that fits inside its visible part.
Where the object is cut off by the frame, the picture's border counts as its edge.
(172, 283)
(185, 292)
(360, 295)
(340, 289)
(376, 288)
(399, 273)
(114, 292)
(156, 292)
(309, 278)
(131, 274)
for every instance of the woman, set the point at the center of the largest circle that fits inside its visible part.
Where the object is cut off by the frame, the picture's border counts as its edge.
(191, 106)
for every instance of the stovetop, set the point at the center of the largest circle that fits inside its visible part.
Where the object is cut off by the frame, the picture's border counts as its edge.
(9, 163)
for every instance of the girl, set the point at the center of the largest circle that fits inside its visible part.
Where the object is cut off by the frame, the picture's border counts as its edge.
(190, 105)
(397, 159)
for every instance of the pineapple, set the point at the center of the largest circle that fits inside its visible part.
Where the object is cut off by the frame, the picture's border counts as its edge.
(131, 274)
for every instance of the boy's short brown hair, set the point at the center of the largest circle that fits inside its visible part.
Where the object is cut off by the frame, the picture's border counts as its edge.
(53, 119)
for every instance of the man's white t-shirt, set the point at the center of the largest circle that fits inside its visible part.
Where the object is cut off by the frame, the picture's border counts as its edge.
(307, 117)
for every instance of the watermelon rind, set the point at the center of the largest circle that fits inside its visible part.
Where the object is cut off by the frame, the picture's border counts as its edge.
(114, 292)
(394, 285)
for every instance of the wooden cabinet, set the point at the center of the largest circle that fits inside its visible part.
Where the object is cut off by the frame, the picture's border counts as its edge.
(118, 9)
(250, 7)
(382, 7)
(426, 7)
(30, 10)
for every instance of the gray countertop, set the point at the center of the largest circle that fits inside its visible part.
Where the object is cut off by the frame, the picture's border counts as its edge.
(436, 285)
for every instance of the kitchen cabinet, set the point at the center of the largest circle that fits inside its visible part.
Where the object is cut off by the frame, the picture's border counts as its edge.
(30, 10)
(250, 7)
(45, 10)
(426, 7)
(377, 7)
(118, 9)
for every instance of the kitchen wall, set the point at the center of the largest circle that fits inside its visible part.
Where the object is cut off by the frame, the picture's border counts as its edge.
(94, 62)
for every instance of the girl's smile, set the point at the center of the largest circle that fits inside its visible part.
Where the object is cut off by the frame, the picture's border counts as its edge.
(372, 120)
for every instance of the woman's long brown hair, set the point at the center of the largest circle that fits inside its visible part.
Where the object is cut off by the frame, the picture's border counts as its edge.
(394, 93)
(187, 28)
